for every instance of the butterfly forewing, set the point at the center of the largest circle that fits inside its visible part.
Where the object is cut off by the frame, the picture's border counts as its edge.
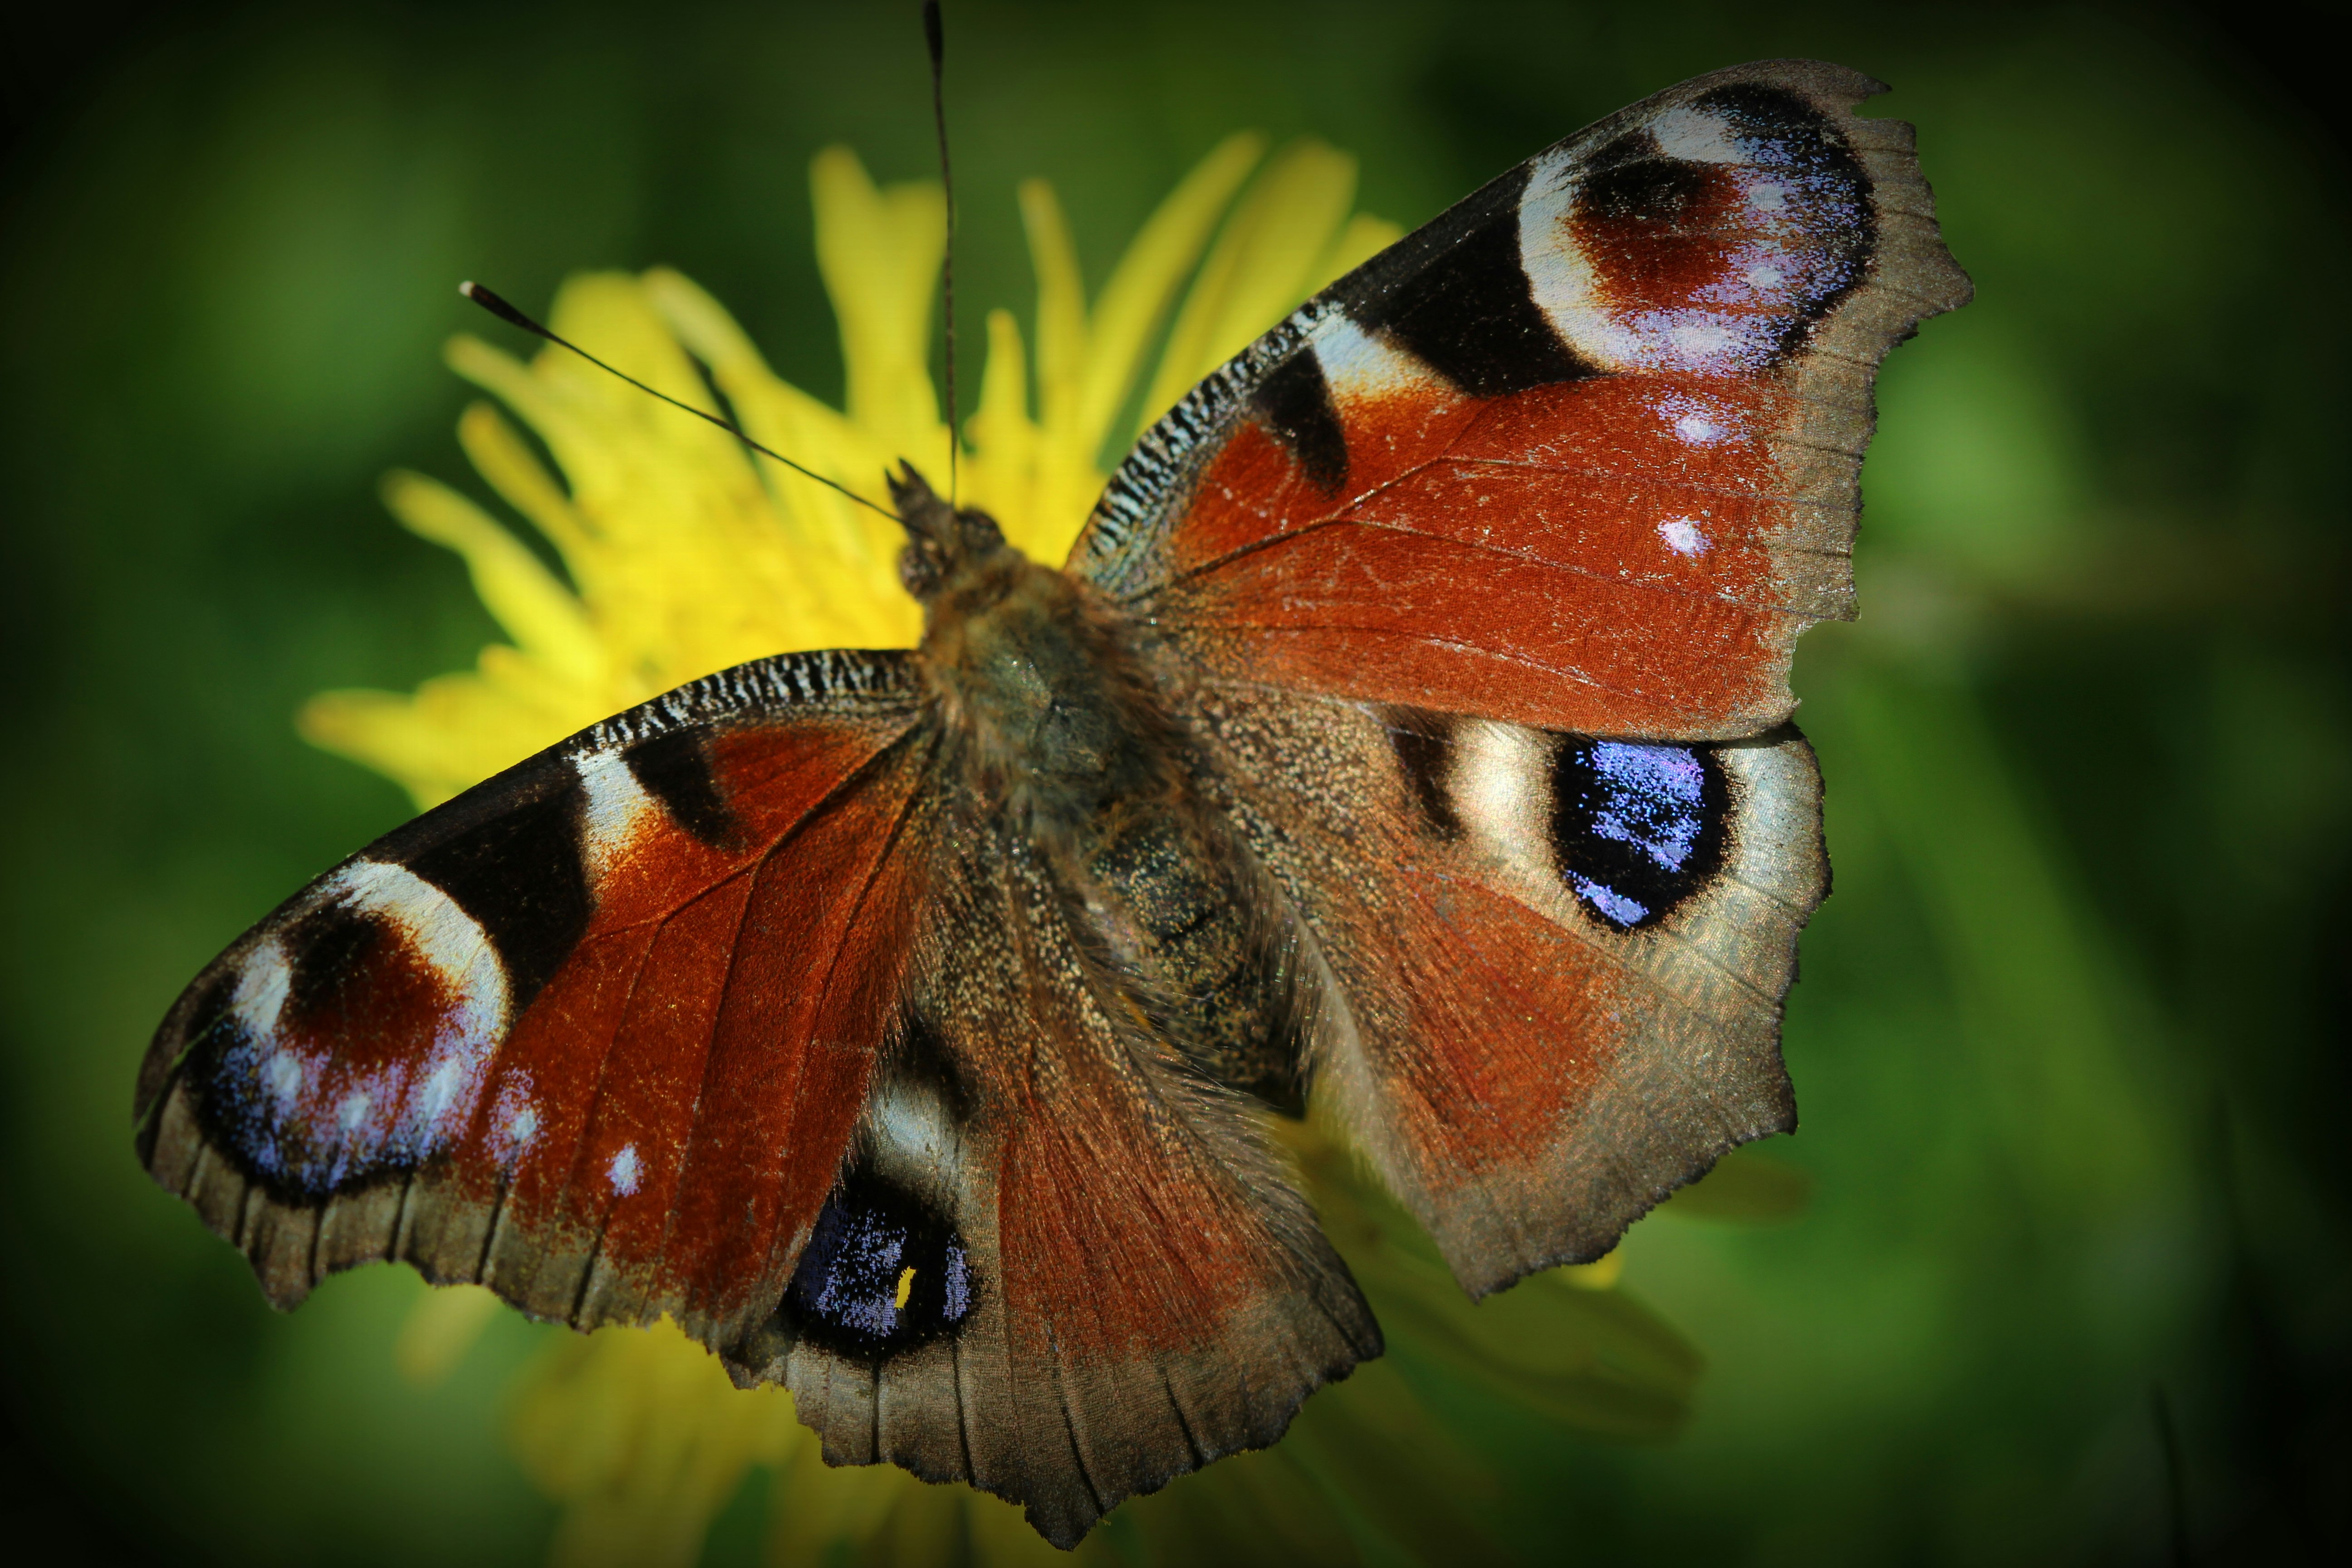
(1579, 453)
(594, 1033)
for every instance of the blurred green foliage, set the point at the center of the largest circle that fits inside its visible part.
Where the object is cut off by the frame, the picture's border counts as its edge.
(2070, 1042)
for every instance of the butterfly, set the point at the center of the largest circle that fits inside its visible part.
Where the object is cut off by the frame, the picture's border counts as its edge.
(1406, 735)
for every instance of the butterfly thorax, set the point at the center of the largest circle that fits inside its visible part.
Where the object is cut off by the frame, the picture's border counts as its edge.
(1045, 706)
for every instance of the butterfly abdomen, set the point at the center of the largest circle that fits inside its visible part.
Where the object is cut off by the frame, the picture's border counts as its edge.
(1199, 945)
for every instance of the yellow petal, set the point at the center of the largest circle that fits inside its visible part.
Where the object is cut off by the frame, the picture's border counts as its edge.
(843, 554)
(439, 1330)
(1602, 1274)
(640, 1436)
(512, 470)
(878, 252)
(1061, 306)
(450, 734)
(1143, 286)
(1261, 265)
(536, 610)
(1004, 441)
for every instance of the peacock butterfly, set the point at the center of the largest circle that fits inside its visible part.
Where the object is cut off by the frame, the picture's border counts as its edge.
(1406, 733)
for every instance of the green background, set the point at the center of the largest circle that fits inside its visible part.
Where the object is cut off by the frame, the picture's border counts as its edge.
(2070, 1040)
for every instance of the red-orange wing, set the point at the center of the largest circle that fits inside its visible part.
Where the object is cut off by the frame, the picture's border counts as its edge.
(1579, 453)
(594, 1033)
(1465, 575)
(1557, 962)
(1062, 1265)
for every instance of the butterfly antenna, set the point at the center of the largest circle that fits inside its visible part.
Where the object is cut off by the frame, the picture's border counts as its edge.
(506, 312)
(935, 37)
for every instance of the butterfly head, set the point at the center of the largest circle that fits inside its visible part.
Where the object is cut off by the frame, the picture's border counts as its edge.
(947, 548)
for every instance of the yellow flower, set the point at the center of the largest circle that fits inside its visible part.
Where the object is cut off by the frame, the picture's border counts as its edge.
(684, 554)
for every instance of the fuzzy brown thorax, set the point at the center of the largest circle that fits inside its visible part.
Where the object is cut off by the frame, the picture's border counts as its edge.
(1040, 688)
(1032, 673)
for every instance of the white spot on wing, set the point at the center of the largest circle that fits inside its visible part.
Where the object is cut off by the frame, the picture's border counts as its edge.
(910, 1132)
(618, 809)
(1683, 536)
(1500, 783)
(625, 1171)
(1359, 367)
(1699, 421)
(1695, 336)
(262, 981)
(440, 1091)
(1697, 136)
(514, 1119)
(283, 1076)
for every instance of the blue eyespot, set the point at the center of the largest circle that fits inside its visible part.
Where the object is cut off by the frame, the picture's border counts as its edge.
(1637, 829)
(882, 1271)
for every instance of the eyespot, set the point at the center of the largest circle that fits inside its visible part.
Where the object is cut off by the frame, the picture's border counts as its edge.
(1637, 829)
(884, 1272)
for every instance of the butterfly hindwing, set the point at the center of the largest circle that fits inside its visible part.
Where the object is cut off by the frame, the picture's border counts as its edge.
(594, 1033)
(1562, 958)
(1063, 1266)
(1579, 453)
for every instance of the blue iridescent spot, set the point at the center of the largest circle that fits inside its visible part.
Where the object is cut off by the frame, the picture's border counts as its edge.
(1625, 911)
(1637, 829)
(882, 1271)
(1653, 799)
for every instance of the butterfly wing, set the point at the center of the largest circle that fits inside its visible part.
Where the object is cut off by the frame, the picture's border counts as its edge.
(1125, 1285)
(740, 1007)
(594, 1034)
(1456, 570)
(1561, 958)
(1581, 452)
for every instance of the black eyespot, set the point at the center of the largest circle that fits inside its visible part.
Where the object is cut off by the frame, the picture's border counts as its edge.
(331, 946)
(883, 1272)
(1636, 830)
(1657, 191)
(675, 769)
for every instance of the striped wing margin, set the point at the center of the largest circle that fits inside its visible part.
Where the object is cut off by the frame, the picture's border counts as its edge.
(1581, 453)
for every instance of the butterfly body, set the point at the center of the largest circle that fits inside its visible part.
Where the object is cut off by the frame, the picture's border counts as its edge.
(1406, 736)
(1045, 700)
